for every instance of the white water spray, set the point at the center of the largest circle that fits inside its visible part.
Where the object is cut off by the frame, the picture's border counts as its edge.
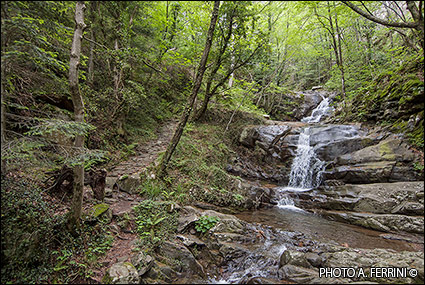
(306, 167)
(323, 109)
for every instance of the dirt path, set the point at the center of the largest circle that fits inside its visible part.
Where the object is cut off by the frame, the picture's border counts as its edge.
(120, 203)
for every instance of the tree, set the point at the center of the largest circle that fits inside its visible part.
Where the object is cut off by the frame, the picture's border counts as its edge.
(245, 44)
(77, 198)
(415, 11)
(335, 34)
(189, 105)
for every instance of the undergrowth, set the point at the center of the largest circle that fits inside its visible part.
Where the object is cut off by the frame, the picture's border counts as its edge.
(36, 245)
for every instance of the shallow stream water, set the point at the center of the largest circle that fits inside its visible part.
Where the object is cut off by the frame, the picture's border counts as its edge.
(323, 230)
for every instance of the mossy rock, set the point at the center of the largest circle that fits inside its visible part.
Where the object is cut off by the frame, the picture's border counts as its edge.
(121, 273)
(99, 209)
(100, 212)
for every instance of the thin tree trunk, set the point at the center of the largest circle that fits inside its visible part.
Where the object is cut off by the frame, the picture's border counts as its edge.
(91, 60)
(3, 115)
(341, 62)
(189, 105)
(77, 199)
(3, 90)
(116, 71)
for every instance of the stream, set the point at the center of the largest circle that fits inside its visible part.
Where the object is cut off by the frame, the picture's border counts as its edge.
(306, 175)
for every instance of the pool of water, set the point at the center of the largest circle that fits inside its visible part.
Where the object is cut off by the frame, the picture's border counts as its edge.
(323, 230)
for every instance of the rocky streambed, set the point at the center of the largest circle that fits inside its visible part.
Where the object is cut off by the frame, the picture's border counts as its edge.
(360, 206)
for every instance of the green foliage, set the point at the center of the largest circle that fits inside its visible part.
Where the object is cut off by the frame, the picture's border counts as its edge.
(67, 128)
(156, 221)
(418, 166)
(152, 188)
(205, 223)
(36, 245)
(27, 233)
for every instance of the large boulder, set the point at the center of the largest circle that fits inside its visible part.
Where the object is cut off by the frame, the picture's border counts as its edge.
(390, 160)
(176, 251)
(405, 198)
(295, 266)
(389, 207)
(121, 273)
(129, 183)
(380, 222)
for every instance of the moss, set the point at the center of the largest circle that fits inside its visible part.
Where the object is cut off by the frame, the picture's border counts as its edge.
(416, 137)
(99, 209)
(386, 151)
(125, 176)
(129, 265)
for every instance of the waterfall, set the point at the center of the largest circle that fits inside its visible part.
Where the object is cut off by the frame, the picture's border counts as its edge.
(306, 168)
(321, 110)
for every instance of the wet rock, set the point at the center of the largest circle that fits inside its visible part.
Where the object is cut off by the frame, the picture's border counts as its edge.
(314, 259)
(292, 266)
(380, 198)
(383, 222)
(121, 273)
(346, 257)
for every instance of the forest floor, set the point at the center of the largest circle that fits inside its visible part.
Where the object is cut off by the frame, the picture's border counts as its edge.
(126, 240)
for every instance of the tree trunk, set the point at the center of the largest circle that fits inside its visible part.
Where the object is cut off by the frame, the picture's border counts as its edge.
(189, 105)
(216, 67)
(77, 198)
(341, 63)
(3, 90)
(91, 60)
(116, 72)
(3, 115)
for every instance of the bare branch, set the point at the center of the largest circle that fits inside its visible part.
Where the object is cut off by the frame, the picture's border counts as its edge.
(412, 25)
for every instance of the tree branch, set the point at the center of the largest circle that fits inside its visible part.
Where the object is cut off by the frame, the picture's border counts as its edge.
(412, 25)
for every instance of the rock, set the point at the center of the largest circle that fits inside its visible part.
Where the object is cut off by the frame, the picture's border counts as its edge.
(100, 212)
(226, 223)
(108, 192)
(190, 240)
(314, 259)
(129, 184)
(142, 262)
(175, 251)
(387, 150)
(121, 273)
(390, 160)
(383, 222)
(295, 258)
(188, 216)
(371, 172)
(110, 200)
(110, 182)
(346, 257)
(297, 274)
(380, 198)
(167, 273)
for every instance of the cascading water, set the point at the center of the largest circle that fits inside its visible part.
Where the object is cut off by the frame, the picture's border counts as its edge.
(321, 110)
(306, 167)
